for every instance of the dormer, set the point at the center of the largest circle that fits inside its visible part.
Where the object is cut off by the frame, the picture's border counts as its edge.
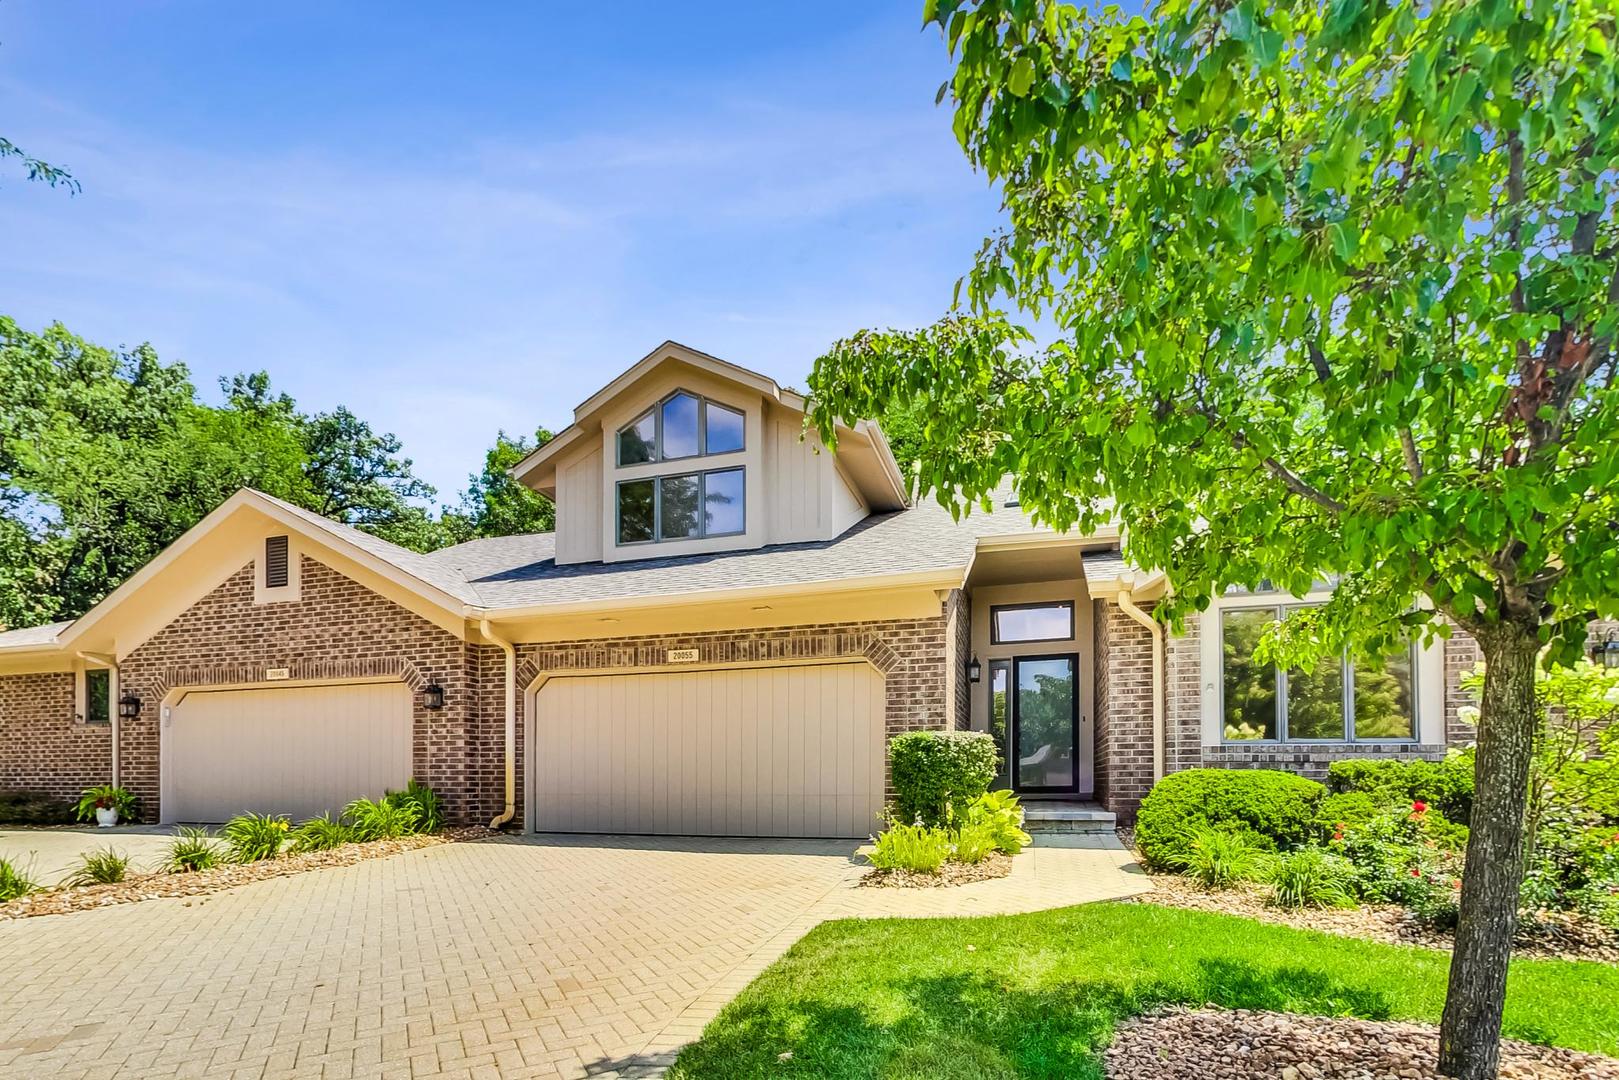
(687, 454)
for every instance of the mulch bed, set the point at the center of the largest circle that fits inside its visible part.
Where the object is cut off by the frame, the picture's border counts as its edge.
(1555, 936)
(1238, 1044)
(995, 865)
(62, 898)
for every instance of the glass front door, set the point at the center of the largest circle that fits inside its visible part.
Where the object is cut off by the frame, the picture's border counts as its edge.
(1044, 748)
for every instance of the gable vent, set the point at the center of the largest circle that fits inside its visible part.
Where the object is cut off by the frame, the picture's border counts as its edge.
(275, 562)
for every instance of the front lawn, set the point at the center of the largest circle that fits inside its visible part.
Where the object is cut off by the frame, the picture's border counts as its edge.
(1036, 995)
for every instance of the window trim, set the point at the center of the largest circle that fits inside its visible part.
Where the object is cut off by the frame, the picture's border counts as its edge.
(656, 412)
(995, 626)
(1346, 706)
(656, 480)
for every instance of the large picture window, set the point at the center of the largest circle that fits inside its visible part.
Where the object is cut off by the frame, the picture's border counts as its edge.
(682, 425)
(684, 506)
(1337, 702)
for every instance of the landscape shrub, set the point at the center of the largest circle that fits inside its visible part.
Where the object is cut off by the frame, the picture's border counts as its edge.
(1311, 877)
(1573, 866)
(35, 808)
(321, 834)
(381, 819)
(922, 848)
(1217, 859)
(1001, 814)
(107, 866)
(1273, 809)
(974, 844)
(424, 801)
(936, 774)
(1446, 786)
(1345, 810)
(14, 881)
(192, 850)
(251, 837)
(1394, 859)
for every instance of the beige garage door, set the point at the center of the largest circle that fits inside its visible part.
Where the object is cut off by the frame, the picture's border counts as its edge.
(294, 750)
(784, 751)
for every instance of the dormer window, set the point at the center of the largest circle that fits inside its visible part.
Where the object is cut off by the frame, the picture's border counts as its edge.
(682, 425)
(685, 506)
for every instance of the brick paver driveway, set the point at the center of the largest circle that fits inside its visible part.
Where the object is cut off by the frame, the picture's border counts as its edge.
(536, 956)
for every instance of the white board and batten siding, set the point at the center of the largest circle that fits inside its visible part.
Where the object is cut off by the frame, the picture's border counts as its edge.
(295, 750)
(765, 751)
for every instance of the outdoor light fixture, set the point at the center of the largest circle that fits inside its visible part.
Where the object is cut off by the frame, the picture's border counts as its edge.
(1606, 651)
(129, 707)
(433, 696)
(975, 670)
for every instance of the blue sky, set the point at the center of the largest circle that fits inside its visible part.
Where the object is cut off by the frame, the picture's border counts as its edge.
(460, 218)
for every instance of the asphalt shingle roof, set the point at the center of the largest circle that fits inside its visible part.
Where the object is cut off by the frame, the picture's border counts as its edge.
(32, 635)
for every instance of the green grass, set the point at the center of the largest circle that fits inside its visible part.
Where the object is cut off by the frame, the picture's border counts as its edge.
(1039, 994)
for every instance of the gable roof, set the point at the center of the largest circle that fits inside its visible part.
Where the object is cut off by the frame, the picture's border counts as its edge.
(867, 432)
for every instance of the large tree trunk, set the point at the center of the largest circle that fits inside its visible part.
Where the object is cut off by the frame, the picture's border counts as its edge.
(1470, 1035)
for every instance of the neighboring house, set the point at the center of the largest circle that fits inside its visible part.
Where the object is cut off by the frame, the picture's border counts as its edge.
(723, 632)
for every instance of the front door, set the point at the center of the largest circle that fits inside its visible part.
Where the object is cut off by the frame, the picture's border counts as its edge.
(1043, 747)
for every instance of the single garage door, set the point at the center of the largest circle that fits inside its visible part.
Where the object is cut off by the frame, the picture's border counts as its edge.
(296, 750)
(782, 751)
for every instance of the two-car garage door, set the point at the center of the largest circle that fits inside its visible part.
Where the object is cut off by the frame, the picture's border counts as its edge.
(773, 751)
(296, 750)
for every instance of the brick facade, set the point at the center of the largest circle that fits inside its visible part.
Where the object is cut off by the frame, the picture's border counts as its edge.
(1123, 710)
(338, 629)
(44, 746)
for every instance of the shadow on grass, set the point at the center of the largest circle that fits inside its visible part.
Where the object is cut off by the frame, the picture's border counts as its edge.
(974, 1026)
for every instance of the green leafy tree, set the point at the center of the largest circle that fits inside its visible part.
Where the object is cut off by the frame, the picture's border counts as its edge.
(494, 504)
(42, 171)
(1334, 292)
(361, 479)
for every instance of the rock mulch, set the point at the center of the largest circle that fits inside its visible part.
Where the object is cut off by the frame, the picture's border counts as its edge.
(1553, 937)
(140, 887)
(1238, 1044)
(994, 865)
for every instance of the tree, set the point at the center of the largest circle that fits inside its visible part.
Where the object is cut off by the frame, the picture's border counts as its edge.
(107, 456)
(1334, 287)
(44, 172)
(494, 504)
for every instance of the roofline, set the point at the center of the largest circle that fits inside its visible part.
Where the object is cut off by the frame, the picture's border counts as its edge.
(948, 577)
(272, 508)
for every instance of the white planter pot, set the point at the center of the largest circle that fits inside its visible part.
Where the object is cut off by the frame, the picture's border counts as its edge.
(106, 817)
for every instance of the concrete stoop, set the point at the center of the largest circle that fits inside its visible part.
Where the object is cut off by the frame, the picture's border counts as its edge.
(1067, 817)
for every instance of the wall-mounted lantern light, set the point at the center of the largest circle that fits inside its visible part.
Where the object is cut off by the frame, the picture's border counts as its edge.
(433, 696)
(129, 707)
(975, 670)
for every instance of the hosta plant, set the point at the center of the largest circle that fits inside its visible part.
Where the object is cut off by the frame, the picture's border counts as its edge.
(917, 847)
(974, 844)
(1001, 814)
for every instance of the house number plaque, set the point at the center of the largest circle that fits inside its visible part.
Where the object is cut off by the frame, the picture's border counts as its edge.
(682, 656)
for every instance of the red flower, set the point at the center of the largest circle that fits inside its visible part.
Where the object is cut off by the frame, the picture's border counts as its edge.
(1419, 807)
(1415, 872)
(1456, 884)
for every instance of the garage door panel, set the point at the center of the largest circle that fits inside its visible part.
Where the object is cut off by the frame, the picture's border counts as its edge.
(289, 750)
(783, 751)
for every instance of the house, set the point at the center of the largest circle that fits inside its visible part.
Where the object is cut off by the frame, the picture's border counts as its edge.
(726, 627)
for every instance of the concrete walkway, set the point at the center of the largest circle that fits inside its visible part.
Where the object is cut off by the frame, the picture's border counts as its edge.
(534, 956)
(51, 855)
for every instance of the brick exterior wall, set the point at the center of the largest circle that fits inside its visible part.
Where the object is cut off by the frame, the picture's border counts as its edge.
(1123, 711)
(44, 746)
(338, 629)
(958, 614)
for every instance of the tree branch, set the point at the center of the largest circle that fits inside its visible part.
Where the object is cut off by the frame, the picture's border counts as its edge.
(1413, 461)
(1291, 480)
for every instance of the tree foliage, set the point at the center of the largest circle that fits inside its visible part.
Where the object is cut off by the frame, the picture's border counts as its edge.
(494, 504)
(35, 169)
(107, 456)
(1334, 289)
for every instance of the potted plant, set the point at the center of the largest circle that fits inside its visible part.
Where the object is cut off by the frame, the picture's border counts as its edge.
(106, 805)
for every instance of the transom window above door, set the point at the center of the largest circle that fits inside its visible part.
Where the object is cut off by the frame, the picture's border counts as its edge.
(1048, 621)
(682, 425)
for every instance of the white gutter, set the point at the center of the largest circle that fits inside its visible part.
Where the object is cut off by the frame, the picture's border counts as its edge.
(1127, 605)
(114, 692)
(511, 726)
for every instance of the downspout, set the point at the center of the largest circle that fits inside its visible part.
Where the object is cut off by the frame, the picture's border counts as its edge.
(115, 692)
(1127, 605)
(511, 725)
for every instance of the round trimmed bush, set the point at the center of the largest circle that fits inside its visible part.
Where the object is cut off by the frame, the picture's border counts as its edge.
(1274, 810)
(1445, 785)
(937, 773)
